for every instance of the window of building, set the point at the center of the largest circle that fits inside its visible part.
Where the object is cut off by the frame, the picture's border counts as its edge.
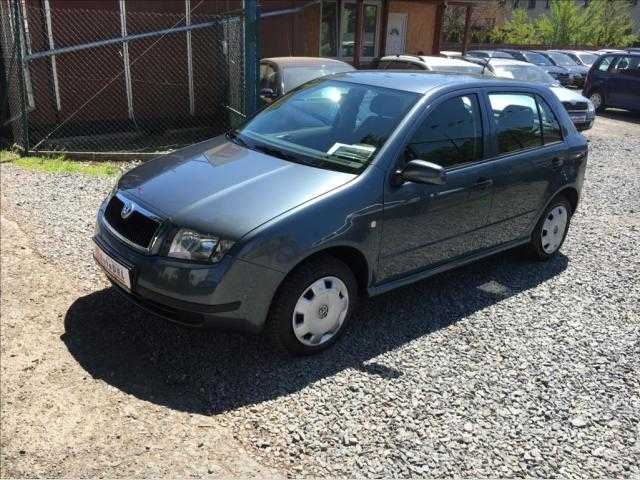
(329, 29)
(338, 28)
(451, 135)
(550, 126)
(532, 4)
(547, 4)
(516, 121)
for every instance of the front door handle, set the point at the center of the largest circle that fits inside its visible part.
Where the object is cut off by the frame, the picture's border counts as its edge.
(483, 183)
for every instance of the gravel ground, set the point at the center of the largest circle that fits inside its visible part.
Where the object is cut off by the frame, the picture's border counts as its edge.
(502, 368)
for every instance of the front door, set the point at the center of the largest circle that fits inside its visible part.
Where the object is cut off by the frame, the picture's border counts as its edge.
(426, 225)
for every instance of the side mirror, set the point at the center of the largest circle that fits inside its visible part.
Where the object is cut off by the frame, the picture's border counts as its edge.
(268, 93)
(421, 171)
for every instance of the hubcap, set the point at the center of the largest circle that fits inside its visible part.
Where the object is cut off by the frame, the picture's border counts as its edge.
(596, 99)
(553, 229)
(320, 311)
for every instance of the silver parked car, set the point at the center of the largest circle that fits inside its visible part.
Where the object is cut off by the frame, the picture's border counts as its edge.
(580, 109)
(280, 75)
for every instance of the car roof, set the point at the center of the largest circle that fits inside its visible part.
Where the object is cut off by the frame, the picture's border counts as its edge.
(422, 82)
(428, 60)
(303, 61)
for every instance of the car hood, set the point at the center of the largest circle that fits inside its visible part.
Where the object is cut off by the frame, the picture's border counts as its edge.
(567, 95)
(577, 69)
(222, 188)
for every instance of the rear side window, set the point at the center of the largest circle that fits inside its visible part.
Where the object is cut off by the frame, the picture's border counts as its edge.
(400, 65)
(516, 121)
(550, 126)
(451, 135)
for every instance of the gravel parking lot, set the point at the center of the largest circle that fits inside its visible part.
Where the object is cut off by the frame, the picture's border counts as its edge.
(502, 368)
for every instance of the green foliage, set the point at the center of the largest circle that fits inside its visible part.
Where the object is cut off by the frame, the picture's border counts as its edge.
(601, 23)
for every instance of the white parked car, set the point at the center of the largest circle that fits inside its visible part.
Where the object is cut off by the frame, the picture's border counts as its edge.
(430, 63)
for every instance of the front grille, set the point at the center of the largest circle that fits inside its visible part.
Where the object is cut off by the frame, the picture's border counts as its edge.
(575, 107)
(137, 227)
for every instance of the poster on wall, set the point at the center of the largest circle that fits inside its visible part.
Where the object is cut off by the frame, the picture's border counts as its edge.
(396, 33)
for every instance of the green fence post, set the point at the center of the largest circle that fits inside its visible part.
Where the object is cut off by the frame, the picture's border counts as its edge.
(251, 56)
(17, 40)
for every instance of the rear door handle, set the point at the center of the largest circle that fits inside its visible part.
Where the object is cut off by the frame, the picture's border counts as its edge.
(483, 183)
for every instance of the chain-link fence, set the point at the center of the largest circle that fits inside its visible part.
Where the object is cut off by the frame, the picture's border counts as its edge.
(121, 79)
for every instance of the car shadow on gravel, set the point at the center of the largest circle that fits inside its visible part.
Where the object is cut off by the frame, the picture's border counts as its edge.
(622, 115)
(208, 372)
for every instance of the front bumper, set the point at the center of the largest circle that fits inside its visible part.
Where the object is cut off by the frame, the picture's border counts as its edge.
(230, 295)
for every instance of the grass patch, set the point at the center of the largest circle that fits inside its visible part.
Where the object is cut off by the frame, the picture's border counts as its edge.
(61, 165)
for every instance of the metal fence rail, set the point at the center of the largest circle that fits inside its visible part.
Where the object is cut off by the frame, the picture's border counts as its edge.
(105, 81)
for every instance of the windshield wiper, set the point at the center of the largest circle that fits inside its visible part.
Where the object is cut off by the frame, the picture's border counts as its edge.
(235, 138)
(276, 152)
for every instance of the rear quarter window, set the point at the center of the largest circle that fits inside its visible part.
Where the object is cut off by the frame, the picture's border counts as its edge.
(516, 121)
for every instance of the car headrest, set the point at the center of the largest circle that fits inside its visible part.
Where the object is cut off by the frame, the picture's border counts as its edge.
(386, 105)
(516, 116)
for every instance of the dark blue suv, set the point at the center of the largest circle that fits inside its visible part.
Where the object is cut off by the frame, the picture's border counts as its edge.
(614, 81)
(350, 185)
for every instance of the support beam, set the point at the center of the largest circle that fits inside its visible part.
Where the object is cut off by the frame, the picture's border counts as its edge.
(187, 16)
(440, 11)
(357, 47)
(251, 57)
(467, 26)
(52, 46)
(125, 58)
(383, 28)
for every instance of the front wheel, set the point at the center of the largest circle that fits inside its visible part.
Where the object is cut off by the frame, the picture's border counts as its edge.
(551, 229)
(313, 306)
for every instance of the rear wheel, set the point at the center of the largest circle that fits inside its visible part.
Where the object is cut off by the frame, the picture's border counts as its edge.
(313, 306)
(551, 230)
(598, 100)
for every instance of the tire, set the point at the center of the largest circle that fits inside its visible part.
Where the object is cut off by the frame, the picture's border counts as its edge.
(551, 229)
(599, 104)
(320, 294)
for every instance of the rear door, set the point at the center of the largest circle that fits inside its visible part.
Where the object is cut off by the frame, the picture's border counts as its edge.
(624, 83)
(528, 155)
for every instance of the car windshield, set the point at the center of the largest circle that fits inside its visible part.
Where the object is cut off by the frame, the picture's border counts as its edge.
(528, 73)
(328, 124)
(587, 58)
(562, 59)
(501, 55)
(296, 76)
(536, 58)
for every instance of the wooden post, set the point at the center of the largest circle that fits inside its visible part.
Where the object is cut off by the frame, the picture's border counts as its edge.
(383, 28)
(357, 47)
(442, 6)
(467, 26)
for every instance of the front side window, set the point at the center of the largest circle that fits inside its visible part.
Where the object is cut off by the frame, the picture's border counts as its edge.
(328, 123)
(451, 135)
(605, 63)
(550, 126)
(516, 121)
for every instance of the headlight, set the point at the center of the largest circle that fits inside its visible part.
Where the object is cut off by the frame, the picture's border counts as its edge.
(198, 247)
(590, 107)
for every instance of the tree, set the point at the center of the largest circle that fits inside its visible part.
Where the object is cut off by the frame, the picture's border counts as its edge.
(518, 30)
(601, 23)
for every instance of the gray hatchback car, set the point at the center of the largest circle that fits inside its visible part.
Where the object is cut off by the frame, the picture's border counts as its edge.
(350, 185)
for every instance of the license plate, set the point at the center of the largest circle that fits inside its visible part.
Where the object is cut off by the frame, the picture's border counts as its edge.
(112, 267)
(579, 118)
